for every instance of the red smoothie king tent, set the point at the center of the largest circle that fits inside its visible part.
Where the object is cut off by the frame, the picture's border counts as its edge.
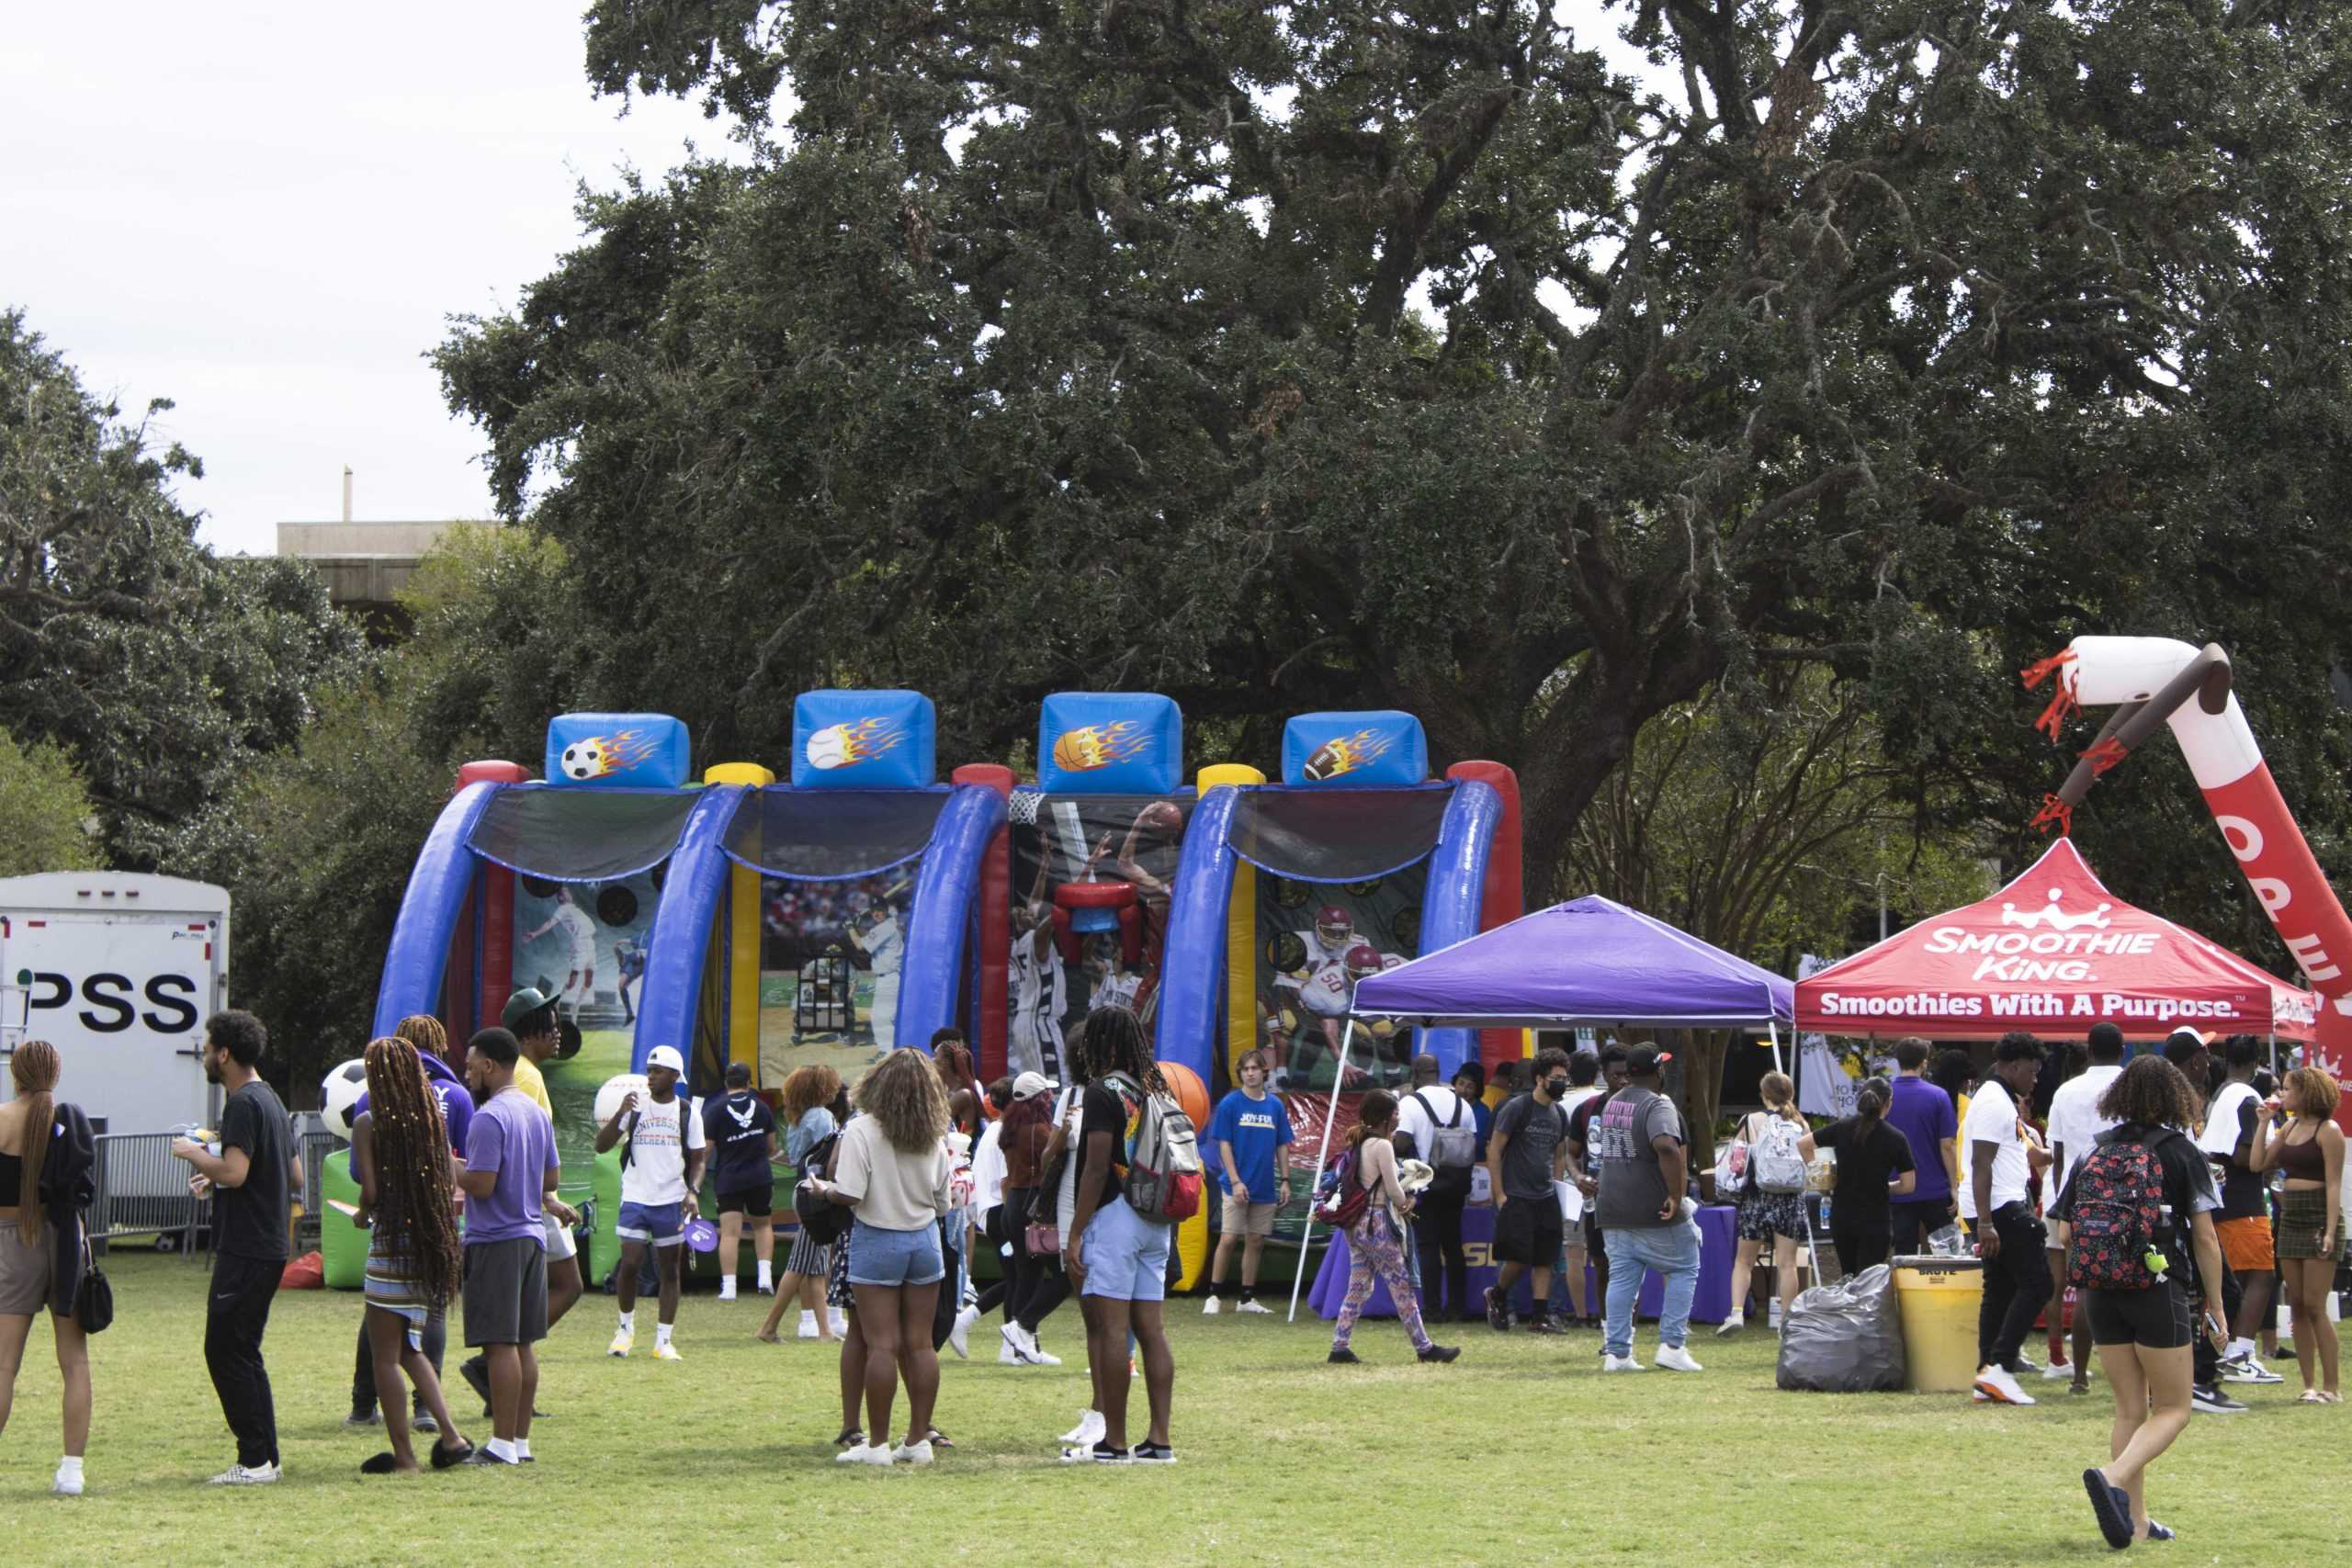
(2053, 952)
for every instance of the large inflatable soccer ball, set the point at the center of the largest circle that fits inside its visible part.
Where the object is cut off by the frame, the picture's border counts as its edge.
(609, 1099)
(338, 1092)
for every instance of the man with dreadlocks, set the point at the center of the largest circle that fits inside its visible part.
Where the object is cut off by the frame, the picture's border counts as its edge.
(399, 1149)
(1117, 1259)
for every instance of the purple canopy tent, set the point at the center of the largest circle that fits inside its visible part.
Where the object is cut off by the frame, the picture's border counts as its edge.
(1588, 962)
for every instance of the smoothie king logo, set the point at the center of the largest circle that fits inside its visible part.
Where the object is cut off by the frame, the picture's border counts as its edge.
(2048, 943)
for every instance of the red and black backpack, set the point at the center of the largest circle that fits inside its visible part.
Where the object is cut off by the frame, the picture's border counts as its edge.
(2118, 1215)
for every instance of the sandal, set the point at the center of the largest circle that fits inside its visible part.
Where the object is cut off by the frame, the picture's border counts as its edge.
(851, 1438)
(2311, 1396)
(384, 1464)
(448, 1458)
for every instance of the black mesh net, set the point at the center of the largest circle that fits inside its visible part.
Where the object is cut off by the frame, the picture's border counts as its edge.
(581, 835)
(1337, 834)
(832, 835)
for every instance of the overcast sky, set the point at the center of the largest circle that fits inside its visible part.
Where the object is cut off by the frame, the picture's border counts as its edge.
(266, 213)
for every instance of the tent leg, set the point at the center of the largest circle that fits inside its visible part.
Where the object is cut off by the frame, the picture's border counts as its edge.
(1775, 1030)
(1306, 1232)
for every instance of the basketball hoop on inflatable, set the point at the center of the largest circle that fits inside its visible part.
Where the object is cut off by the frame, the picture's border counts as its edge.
(1090, 908)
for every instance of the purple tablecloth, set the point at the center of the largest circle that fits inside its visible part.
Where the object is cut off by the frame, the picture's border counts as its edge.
(1718, 1239)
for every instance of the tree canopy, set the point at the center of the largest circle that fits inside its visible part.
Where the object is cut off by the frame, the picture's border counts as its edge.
(1407, 353)
(161, 670)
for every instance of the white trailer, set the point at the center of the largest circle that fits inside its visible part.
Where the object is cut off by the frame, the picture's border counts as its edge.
(118, 971)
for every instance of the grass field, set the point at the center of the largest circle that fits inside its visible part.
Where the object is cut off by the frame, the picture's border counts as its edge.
(1520, 1451)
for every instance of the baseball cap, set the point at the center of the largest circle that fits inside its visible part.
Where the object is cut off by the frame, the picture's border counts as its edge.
(1030, 1085)
(665, 1056)
(2202, 1036)
(521, 1004)
(1645, 1060)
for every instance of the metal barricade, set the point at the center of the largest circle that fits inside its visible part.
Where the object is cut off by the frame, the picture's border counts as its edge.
(314, 1147)
(143, 1191)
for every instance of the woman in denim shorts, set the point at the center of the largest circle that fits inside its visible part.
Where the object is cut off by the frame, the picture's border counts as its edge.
(891, 1168)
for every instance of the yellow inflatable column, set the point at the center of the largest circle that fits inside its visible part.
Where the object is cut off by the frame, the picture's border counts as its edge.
(1240, 1000)
(743, 918)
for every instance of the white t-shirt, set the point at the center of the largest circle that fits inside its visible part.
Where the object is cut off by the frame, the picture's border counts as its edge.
(2219, 1138)
(1412, 1119)
(1992, 1119)
(988, 1169)
(656, 1171)
(2075, 1120)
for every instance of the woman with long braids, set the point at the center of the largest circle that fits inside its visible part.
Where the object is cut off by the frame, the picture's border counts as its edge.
(45, 1185)
(1117, 1259)
(1374, 1241)
(401, 1151)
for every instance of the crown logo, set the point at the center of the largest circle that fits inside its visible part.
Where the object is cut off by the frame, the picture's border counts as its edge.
(2055, 918)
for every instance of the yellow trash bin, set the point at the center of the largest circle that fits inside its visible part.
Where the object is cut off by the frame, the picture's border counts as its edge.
(1939, 1298)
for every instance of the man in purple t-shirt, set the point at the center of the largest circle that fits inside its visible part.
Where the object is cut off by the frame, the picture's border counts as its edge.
(1923, 1113)
(509, 1181)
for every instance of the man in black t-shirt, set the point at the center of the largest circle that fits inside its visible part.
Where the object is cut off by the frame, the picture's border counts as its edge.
(1584, 1166)
(740, 1132)
(251, 1182)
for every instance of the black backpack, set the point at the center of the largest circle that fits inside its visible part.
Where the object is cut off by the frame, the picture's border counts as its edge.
(822, 1220)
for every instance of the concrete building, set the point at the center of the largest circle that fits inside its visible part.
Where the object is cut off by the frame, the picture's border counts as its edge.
(364, 565)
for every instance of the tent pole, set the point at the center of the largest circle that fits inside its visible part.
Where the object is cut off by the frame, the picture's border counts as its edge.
(1322, 1154)
(1773, 1028)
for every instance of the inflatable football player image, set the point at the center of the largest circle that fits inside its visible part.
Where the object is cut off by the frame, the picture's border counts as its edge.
(1325, 999)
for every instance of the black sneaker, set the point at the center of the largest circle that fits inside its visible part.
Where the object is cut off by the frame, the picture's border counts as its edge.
(1097, 1453)
(1497, 1312)
(475, 1370)
(423, 1421)
(1154, 1454)
(1342, 1356)
(2213, 1402)
(362, 1418)
(1440, 1353)
(1543, 1322)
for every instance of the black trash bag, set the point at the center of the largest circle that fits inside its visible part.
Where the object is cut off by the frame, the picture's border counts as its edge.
(1846, 1338)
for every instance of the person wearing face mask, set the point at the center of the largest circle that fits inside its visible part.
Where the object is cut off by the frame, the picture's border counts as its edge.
(1525, 1156)
(1585, 1160)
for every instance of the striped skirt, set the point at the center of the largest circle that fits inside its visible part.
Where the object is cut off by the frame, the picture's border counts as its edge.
(393, 1283)
(808, 1259)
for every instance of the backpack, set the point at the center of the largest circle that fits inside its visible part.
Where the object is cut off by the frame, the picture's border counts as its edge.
(822, 1220)
(2117, 1197)
(1773, 1160)
(1452, 1150)
(1341, 1196)
(1163, 1176)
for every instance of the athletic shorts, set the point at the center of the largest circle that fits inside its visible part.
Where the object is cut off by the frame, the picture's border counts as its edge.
(757, 1202)
(1529, 1230)
(2158, 1317)
(2245, 1245)
(560, 1247)
(894, 1259)
(1125, 1255)
(663, 1225)
(506, 1291)
(1247, 1219)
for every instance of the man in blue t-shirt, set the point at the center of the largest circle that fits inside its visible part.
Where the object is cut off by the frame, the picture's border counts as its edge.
(1245, 1137)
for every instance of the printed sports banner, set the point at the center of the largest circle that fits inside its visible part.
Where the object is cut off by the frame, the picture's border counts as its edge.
(1316, 941)
(584, 944)
(829, 960)
(1090, 874)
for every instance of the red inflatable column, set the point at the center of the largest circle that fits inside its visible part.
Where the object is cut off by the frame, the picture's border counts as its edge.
(1505, 896)
(475, 997)
(994, 927)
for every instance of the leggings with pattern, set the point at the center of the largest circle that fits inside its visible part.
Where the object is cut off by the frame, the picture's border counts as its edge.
(1373, 1246)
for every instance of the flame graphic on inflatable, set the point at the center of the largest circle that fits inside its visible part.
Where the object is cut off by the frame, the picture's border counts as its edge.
(1346, 753)
(615, 753)
(846, 745)
(1093, 745)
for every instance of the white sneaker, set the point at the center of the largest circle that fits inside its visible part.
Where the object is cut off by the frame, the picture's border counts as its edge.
(2000, 1385)
(808, 1325)
(1254, 1306)
(726, 1288)
(246, 1475)
(1675, 1359)
(959, 1337)
(911, 1453)
(67, 1486)
(1210, 1307)
(1024, 1346)
(865, 1453)
(2248, 1369)
(1621, 1364)
(2058, 1372)
(840, 1320)
(667, 1353)
(621, 1342)
(1090, 1429)
(1005, 1356)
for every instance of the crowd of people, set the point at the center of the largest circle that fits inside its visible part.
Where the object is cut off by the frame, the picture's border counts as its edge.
(2178, 1200)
